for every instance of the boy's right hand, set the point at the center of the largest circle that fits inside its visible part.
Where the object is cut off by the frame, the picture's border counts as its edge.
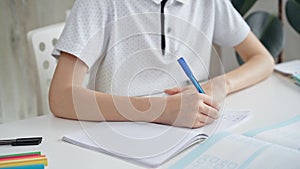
(188, 108)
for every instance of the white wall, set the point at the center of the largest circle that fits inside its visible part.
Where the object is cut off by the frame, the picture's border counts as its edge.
(292, 47)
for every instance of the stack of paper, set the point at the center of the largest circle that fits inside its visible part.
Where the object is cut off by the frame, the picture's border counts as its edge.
(30, 160)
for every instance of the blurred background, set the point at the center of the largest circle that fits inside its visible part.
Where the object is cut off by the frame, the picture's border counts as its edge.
(18, 99)
(18, 81)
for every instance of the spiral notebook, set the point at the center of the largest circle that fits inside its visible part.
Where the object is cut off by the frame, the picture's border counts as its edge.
(148, 144)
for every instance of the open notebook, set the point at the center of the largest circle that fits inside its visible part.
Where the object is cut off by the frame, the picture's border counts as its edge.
(148, 144)
(274, 146)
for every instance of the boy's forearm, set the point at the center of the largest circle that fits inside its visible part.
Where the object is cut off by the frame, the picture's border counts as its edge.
(253, 71)
(68, 99)
(83, 104)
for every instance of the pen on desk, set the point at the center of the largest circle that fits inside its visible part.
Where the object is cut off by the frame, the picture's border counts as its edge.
(190, 75)
(22, 141)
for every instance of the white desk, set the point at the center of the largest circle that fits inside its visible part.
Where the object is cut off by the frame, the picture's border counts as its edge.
(271, 101)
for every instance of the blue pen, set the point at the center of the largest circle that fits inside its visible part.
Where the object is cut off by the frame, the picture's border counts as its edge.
(189, 73)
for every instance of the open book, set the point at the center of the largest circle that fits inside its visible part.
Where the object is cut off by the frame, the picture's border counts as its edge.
(148, 144)
(276, 146)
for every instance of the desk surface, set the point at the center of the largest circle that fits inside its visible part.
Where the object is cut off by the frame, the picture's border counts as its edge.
(271, 101)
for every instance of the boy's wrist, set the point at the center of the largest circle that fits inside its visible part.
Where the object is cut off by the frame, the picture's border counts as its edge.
(168, 115)
(151, 109)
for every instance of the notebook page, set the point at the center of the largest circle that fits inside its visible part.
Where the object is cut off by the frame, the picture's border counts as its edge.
(227, 150)
(286, 133)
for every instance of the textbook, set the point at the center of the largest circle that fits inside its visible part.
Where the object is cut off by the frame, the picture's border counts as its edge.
(148, 144)
(275, 146)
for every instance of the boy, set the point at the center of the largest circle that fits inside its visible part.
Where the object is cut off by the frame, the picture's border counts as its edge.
(130, 49)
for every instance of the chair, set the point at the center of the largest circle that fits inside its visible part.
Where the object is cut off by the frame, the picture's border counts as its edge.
(269, 30)
(41, 42)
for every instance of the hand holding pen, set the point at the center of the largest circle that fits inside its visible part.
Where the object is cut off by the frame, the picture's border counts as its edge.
(197, 109)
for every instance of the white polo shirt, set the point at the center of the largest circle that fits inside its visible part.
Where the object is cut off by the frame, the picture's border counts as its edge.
(120, 41)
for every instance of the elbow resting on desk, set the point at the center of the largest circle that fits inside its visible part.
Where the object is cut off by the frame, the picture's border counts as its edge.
(60, 103)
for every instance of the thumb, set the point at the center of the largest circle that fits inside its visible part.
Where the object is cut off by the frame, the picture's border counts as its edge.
(173, 91)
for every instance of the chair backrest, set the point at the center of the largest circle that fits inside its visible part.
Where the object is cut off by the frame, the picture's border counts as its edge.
(42, 42)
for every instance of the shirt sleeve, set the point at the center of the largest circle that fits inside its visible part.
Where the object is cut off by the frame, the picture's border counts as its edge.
(84, 32)
(230, 27)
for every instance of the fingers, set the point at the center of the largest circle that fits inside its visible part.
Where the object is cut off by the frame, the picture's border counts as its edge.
(196, 110)
(208, 100)
(202, 120)
(205, 119)
(209, 111)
